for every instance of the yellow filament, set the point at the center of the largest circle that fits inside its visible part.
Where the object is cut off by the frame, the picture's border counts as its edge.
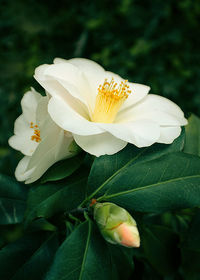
(36, 136)
(109, 99)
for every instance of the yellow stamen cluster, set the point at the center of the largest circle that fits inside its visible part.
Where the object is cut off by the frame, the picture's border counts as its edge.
(36, 136)
(110, 98)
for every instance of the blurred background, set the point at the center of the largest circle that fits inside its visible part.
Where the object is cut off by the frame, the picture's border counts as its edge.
(151, 42)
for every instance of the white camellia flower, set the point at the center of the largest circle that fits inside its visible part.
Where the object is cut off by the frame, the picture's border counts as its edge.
(41, 141)
(105, 112)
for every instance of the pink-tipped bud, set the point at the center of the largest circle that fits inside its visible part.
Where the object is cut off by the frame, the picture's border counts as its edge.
(116, 225)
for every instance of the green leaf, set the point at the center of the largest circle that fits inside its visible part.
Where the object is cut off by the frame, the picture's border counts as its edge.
(12, 201)
(192, 239)
(27, 258)
(192, 141)
(169, 182)
(105, 168)
(190, 264)
(123, 259)
(82, 256)
(160, 248)
(41, 224)
(63, 169)
(48, 200)
(190, 249)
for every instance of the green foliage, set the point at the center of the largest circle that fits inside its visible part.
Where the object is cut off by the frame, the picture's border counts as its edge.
(86, 254)
(54, 235)
(48, 200)
(28, 257)
(63, 169)
(163, 187)
(150, 42)
(12, 201)
(105, 168)
(160, 241)
(192, 141)
(191, 249)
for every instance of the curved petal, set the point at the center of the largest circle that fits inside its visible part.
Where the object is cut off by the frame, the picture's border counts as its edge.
(63, 79)
(21, 141)
(41, 160)
(29, 105)
(138, 92)
(54, 147)
(162, 118)
(92, 71)
(42, 110)
(153, 105)
(20, 173)
(70, 120)
(101, 144)
(169, 134)
(141, 133)
(86, 65)
(21, 125)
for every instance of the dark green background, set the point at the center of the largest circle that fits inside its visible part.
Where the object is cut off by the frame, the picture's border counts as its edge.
(151, 42)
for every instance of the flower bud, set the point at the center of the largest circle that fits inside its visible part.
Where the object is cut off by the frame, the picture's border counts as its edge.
(116, 225)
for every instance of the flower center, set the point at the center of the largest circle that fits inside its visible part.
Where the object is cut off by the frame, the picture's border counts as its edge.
(109, 99)
(36, 135)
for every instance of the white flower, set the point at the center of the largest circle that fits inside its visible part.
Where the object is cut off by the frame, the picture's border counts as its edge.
(103, 111)
(41, 141)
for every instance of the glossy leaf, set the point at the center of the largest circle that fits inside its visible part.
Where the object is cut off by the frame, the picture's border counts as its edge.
(48, 200)
(41, 224)
(82, 256)
(105, 168)
(63, 169)
(123, 259)
(12, 200)
(192, 141)
(27, 258)
(169, 182)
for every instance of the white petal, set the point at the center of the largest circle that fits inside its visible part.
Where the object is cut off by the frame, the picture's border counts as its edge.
(21, 141)
(63, 79)
(21, 125)
(20, 172)
(162, 118)
(59, 60)
(93, 72)
(49, 135)
(169, 134)
(156, 108)
(44, 161)
(138, 92)
(29, 104)
(70, 120)
(42, 111)
(101, 144)
(53, 148)
(86, 65)
(54, 88)
(141, 133)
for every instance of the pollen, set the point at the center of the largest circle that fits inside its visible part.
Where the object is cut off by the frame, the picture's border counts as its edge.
(36, 135)
(110, 98)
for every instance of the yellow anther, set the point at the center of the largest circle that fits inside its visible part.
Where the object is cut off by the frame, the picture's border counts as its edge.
(36, 135)
(109, 100)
